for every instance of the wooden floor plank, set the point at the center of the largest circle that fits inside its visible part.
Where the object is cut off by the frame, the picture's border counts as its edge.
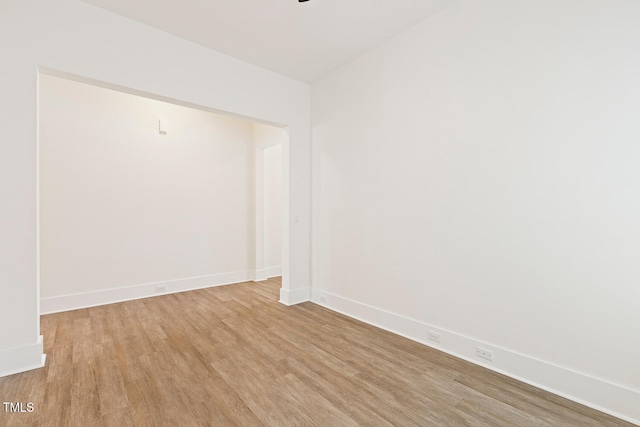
(234, 356)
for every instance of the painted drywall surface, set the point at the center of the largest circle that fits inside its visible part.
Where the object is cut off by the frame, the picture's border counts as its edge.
(479, 173)
(122, 204)
(273, 206)
(269, 158)
(76, 38)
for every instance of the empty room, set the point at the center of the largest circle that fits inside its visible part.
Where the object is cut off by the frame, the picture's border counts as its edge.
(322, 212)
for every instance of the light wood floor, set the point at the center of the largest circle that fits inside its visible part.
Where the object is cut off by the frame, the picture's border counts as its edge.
(233, 355)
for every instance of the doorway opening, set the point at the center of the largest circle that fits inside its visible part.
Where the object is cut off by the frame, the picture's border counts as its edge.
(268, 142)
(141, 195)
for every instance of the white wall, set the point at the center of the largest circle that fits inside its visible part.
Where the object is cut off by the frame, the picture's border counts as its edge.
(122, 205)
(268, 143)
(273, 207)
(73, 37)
(478, 175)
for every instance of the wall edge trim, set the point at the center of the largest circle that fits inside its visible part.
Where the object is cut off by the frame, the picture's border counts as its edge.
(291, 297)
(22, 359)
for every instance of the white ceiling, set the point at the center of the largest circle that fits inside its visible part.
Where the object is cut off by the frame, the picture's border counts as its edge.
(303, 41)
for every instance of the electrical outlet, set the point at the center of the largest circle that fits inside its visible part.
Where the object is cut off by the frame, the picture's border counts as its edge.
(484, 353)
(161, 288)
(433, 336)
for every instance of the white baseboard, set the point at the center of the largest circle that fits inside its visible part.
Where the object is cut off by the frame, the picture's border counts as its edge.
(108, 296)
(21, 359)
(294, 296)
(274, 271)
(619, 401)
(267, 273)
(260, 275)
